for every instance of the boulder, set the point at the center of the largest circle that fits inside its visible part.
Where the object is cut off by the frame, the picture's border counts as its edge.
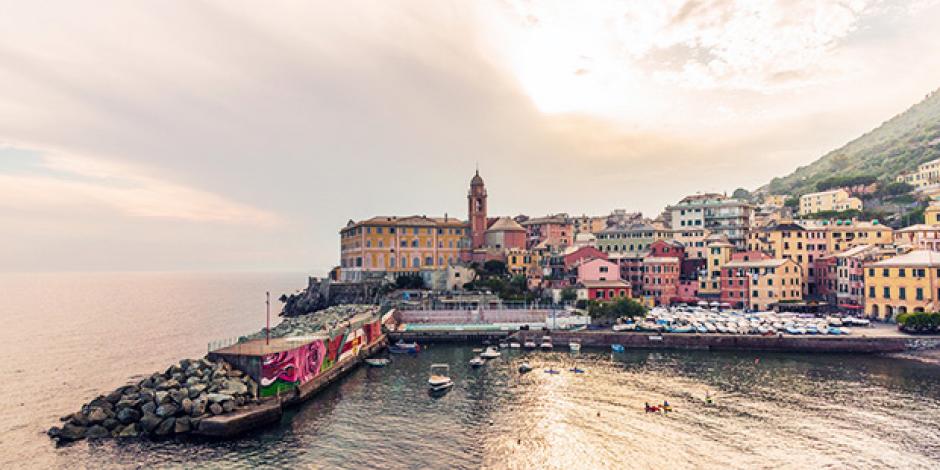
(111, 423)
(115, 396)
(166, 427)
(228, 406)
(234, 373)
(195, 390)
(148, 407)
(168, 384)
(97, 415)
(149, 422)
(78, 419)
(71, 432)
(194, 423)
(146, 394)
(53, 432)
(192, 380)
(161, 397)
(129, 431)
(166, 410)
(216, 409)
(199, 407)
(234, 387)
(219, 397)
(128, 415)
(177, 395)
(187, 406)
(130, 389)
(182, 425)
(97, 432)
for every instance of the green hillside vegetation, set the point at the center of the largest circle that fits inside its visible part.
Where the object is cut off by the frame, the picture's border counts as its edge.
(898, 145)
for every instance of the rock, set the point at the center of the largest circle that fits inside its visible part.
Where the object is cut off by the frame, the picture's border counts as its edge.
(97, 432)
(234, 387)
(115, 396)
(148, 407)
(147, 383)
(182, 425)
(146, 394)
(71, 432)
(65, 417)
(195, 390)
(97, 416)
(194, 423)
(177, 395)
(235, 373)
(130, 389)
(216, 409)
(149, 422)
(166, 427)
(133, 402)
(53, 432)
(219, 397)
(161, 397)
(129, 431)
(166, 410)
(128, 415)
(228, 406)
(187, 406)
(78, 419)
(168, 384)
(192, 380)
(199, 408)
(111, 424)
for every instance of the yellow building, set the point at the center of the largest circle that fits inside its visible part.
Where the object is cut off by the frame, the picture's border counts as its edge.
(520, 262)
(694, 240)
(718, 254)
(927, 174)
(771, 281)
(906, 283)
(847, 234)
(401, 244)
(932, 214)
(833, 200)
(778, 200)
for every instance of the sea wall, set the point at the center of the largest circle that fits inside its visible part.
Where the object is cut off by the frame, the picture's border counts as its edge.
(811, 344)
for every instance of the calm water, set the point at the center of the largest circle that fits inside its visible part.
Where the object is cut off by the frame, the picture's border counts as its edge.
(69, 337)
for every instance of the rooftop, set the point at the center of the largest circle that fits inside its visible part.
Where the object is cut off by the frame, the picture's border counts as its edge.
(604, 284)
(759, 263)
(918, 258)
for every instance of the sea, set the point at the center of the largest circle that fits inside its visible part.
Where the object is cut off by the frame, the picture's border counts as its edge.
(67, 337)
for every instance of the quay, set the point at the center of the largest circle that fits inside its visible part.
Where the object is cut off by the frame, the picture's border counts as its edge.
(291, 370)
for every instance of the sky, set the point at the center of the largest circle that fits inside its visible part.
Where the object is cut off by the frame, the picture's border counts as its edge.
(215, 136)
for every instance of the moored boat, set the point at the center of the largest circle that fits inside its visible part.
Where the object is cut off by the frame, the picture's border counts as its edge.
(524, 367)
(490, 353)
(477, 361)
(377, 362)
(440, 377)
(529, 344)
(546, 344)
(574, 346)
(617, 348)
(402, 347)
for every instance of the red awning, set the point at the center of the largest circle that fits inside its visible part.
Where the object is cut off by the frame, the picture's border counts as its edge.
(850, 306)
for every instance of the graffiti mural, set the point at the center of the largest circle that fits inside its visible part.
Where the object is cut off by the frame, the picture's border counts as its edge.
(285, 370)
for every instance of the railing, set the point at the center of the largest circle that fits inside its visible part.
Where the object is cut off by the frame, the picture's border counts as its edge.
(221, 343)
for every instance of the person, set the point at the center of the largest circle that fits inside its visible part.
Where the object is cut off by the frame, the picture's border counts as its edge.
(666, 407)
(648, 409)
(708, 398)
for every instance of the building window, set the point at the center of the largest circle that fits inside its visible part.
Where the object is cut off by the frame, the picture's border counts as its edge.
(871, 292)
(887, 293)
(902, 272)
(404, 262)
(902, 293)
(919, 293)
(416, 262)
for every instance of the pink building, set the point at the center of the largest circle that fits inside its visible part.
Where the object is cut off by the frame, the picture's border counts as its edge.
(555, 231)
(583, 253)
(598, 270)
(661, 278)
(919, 237)
(505, 234)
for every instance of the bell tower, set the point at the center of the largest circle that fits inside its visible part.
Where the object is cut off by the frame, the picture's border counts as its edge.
(476, 211)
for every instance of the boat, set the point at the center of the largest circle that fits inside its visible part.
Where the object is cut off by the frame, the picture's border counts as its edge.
(377, 362)
(845, 330)
(477, 350)
(551, 371)
(711, 328)
(681, 329)
(574, 346)
(440, 377)
(503, 345)
(835, 330)
(701, 329)
(625, 327)
(477, 361)
(514, 344)
(576, 370)
(794, 330)
(402, 347)
(529, 344)
(617, 348)
(524, 367)
(490, 353)
(546, 344)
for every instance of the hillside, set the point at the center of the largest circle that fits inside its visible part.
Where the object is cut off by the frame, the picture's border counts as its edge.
(896, 146)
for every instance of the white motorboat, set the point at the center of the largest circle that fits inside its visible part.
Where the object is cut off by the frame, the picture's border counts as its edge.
(503, 345)
(625, 327)
(377, 362)
(574, 346)
(477, 361)
(440, 377)
(524, 367)
(514, 344)
(546, 344)
(490, 353)
(529, 344)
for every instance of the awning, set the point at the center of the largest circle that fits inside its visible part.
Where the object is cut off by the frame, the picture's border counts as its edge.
(850, 306)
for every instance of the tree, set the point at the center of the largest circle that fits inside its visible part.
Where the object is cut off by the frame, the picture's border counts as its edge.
(792, 202)
(741, 194)
(409, 281)
(568, 294)
(495, 267)
(616, 309)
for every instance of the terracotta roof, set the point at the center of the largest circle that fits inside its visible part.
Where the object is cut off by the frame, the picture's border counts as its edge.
(605, 284)
(660, 259)
(506, 224)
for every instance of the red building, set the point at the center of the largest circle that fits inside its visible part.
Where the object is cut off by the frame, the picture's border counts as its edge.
(476, 211)
(735, 283)
(661, 278)
(606, 290)
(583, 253)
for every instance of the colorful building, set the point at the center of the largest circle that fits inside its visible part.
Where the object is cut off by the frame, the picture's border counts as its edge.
(661, 278)
(901, 284)
(850, 274)
(919, 237)
(400, 244)
(719, 253)
(476, 211)
(927, 174)
(824, 201)
(630, 240)
(505, 234)
(554, 232)
(716, 213)
(761, 284)
(597, 269)
(604, 290)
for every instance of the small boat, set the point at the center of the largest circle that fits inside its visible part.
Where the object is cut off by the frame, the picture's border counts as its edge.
(529, 344)
(681, 329)
(524, 367)
(546, 344)
(835, 330)
(477, 350)
(574, 346)
(845, 330)
(477, 361)
(503, 345)
(711, 328)
(625, 327)
(377, 362)
(576, 370)
(617, 348)
(514, 344)
(440, 377)
(793, 330)
(551, 371)
(701, 329)
(402, 347)
(490, 353)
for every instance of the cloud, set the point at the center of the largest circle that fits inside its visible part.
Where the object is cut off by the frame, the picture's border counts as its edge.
(74, 183)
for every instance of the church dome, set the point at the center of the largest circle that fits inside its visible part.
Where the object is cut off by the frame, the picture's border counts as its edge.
(476, 180)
